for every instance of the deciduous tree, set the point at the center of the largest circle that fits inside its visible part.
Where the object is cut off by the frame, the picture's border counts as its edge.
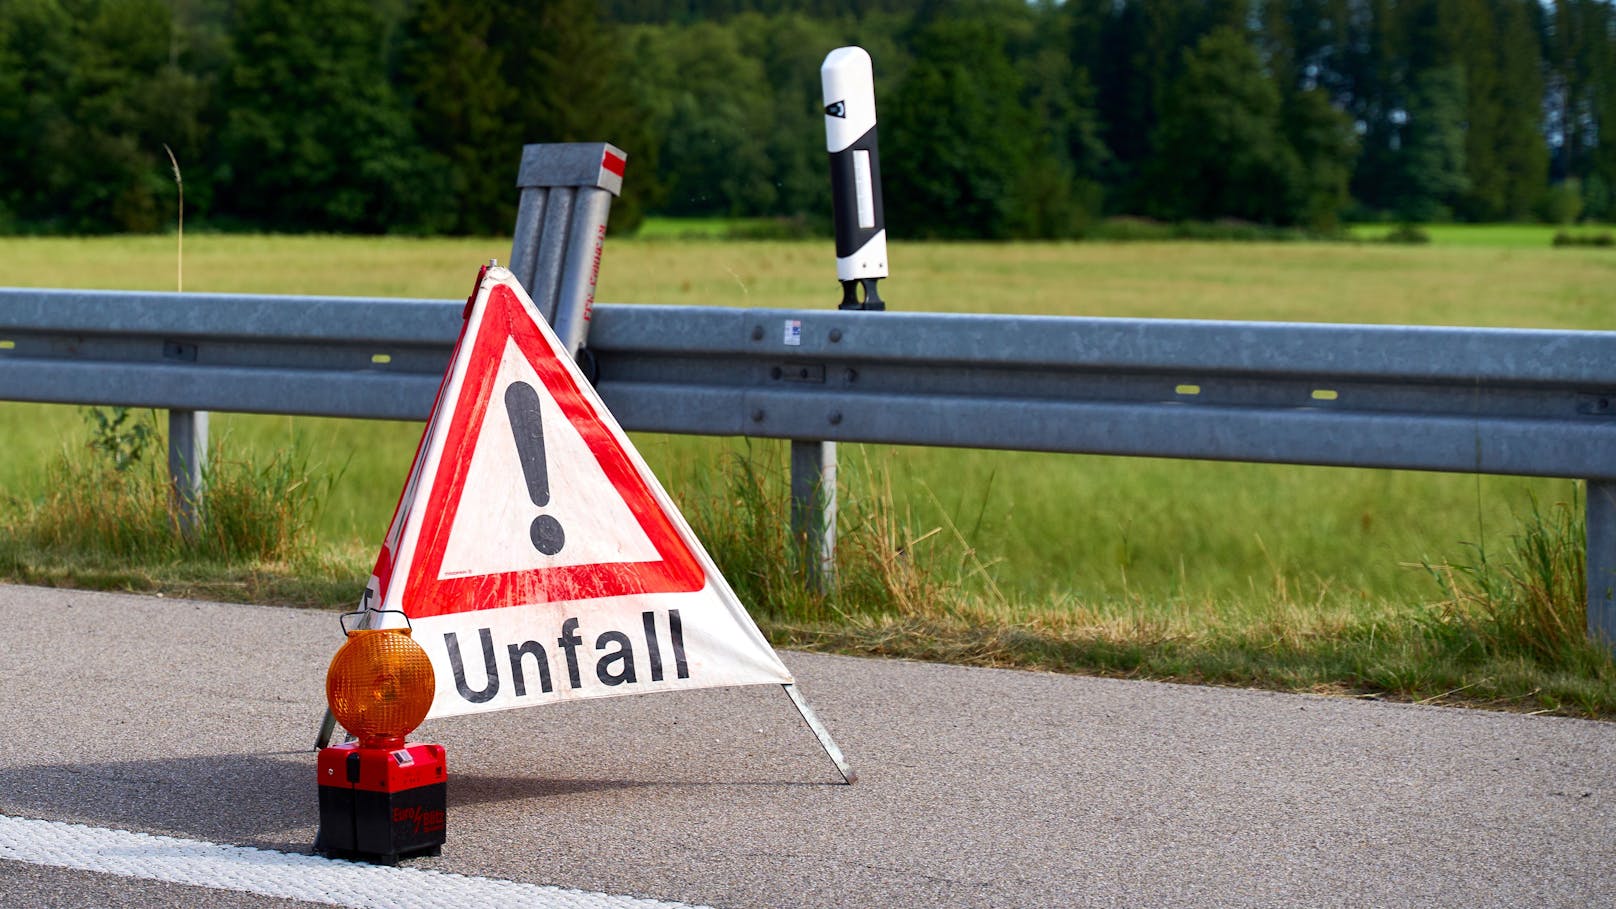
(1220, 150)
(316, 137)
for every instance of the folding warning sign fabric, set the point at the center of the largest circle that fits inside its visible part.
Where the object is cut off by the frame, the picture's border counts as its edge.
(536, 555)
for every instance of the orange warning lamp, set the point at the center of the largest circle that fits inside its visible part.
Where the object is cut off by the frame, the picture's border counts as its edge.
(380, 686)
(381, 798)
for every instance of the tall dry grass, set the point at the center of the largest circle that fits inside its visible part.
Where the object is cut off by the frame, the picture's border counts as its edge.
(109, 501)
(884, 566)
(1528, 601)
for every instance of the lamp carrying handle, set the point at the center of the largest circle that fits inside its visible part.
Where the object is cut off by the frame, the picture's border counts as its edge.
(342, 620)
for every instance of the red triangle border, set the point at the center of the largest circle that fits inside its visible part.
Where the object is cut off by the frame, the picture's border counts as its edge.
(676, 571)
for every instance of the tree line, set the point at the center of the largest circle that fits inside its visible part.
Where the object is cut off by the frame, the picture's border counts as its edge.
(998, 118)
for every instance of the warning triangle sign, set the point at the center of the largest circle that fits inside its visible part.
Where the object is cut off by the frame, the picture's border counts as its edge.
(535, 554)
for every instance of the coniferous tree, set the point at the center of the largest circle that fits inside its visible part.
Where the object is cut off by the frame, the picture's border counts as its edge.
(1521, 148)
(1486, 177)
(1431, 169)
(569, 73)
(1326, 148)
(1307, 45)
(1577, 43)
(485, 77)
(1378, 102)
(1144, 44)
(451, 71)
(1599, 181)
(1080, 130)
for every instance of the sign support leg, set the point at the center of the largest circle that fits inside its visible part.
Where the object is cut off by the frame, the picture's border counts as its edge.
(328, 726)
(833, 751)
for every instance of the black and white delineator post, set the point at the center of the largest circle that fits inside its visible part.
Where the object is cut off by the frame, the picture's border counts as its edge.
(848, 84)
(855, 175)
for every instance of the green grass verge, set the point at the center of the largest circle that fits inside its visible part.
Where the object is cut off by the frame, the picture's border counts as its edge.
(102, 519)
(1314, 579)
(1480, 236)
(1502, 629)
(706, 229)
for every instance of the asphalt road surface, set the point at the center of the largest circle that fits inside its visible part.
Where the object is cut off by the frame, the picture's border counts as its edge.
(978, 787)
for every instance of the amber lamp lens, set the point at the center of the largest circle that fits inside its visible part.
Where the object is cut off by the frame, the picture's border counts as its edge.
(380, 686)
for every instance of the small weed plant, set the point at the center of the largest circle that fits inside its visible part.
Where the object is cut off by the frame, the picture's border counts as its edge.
(120, 435)
(110, 503)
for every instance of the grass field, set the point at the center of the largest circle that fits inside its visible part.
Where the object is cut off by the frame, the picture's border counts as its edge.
(1292, 577)
(1486, 236)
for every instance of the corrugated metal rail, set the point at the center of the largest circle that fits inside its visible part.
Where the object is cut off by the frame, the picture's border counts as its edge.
(1503, 401)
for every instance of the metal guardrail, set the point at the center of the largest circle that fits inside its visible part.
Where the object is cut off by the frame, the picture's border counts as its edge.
(1502, 401)
(318, 356)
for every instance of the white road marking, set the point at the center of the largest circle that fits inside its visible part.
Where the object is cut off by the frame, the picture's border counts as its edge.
(281, 874)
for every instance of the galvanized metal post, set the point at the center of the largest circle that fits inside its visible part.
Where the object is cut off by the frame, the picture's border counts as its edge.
(567, 190)
(187, 462)
(813, 510)
(1600, 510)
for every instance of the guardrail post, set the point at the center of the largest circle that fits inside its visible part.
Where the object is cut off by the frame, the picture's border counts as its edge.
(187, 461)
(813, 509)
(1600, 511)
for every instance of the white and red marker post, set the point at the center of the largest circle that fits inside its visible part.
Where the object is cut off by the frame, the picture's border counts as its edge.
(855, 175)
(566, 196)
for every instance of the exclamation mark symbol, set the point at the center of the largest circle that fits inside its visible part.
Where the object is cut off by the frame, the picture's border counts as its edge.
(522, 405)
